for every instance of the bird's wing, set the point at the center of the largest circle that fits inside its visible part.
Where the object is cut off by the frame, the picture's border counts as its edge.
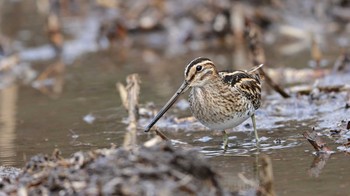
(245, 82)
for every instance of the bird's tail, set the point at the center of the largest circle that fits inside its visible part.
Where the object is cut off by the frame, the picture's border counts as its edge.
(253, 72)
(256, 68)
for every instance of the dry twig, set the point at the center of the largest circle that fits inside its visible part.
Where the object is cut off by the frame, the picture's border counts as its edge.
(253, 37)
(323, 153)
(316, 141)
(130, 99)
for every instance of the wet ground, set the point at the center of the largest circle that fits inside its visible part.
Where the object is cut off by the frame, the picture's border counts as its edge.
(88, 113)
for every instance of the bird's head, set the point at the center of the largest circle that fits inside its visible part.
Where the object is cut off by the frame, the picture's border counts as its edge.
(199, 71)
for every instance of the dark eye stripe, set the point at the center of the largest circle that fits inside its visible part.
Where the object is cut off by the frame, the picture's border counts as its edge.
(192, 77)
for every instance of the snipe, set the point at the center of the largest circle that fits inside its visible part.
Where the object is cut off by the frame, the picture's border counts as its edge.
(219, 100)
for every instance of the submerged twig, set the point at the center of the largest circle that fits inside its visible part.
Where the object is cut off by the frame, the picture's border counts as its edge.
(258, 55)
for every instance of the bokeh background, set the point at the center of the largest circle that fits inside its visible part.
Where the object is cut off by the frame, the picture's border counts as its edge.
(60, 61)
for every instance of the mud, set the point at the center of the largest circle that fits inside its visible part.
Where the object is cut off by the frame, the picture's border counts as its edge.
(155, 170)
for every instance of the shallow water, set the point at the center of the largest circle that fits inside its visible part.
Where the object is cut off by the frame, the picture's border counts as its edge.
(32, 122)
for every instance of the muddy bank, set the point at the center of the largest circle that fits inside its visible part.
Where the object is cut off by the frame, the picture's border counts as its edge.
(157, 170)
(9, 172)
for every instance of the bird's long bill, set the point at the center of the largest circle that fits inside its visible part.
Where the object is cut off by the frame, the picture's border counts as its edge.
(182, 89)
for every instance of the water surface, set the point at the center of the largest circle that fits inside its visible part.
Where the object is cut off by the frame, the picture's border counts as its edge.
(33, 122)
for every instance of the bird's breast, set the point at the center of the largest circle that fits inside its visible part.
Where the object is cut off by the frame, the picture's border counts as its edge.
(219, 109)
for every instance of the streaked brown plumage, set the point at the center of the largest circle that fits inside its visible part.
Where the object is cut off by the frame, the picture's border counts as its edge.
(219, 100)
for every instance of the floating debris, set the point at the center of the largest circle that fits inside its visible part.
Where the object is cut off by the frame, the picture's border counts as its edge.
(345, 148)
(89, 118)
(204, 139)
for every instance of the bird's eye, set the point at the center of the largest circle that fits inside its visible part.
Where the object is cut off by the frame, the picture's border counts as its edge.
(199, 67)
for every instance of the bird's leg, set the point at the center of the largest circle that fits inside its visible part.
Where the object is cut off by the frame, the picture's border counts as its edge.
(225, 139)
(255, 131)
